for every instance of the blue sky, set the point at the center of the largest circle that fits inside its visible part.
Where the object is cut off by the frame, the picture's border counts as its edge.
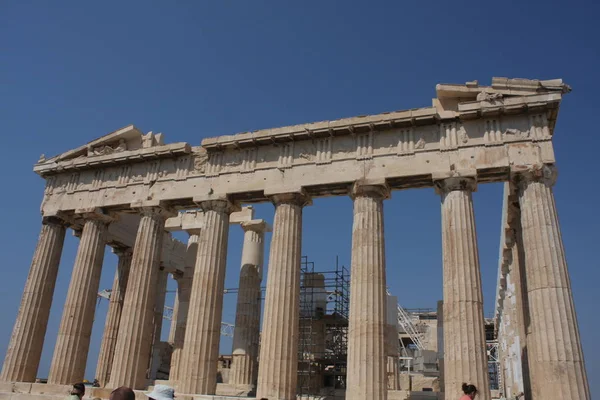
(73, 71)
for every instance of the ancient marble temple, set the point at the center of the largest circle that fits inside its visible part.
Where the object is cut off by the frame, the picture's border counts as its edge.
(130, 189)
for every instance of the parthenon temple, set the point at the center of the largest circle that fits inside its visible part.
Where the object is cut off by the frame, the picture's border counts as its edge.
(130, 190)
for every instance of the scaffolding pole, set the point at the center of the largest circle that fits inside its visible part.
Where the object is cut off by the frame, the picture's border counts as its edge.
(323, 338)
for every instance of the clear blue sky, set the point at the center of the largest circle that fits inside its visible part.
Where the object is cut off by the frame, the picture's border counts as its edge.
(73, 71)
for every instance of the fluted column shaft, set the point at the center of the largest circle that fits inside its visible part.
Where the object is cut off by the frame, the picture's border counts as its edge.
(557, 368)
(113, 316)
(73, 342)
(244, 369)
(159, 307)
(391, 343)
(512, 336)
(198, 374)
(277, 374)
(134, 342)
(184, 290)
(367, 363)
(174, 317)
(393, 381)
(465, 354)
(25, 348)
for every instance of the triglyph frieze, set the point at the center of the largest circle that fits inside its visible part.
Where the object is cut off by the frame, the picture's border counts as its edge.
(489, 134)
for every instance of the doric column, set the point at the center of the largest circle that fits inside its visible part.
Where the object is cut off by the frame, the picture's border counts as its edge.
(159, 305)
(159, 308)
(198, 373)
(184, 290)
(366, 375)
(557, 369)
(393, 373)
(440, 343)
(277, 374)
(173, 327)
(113, 316)
(391, 344)
(247, 318)
(465, 354)
(25, 348)
(73, 342)
(136, 327)
(512, 336)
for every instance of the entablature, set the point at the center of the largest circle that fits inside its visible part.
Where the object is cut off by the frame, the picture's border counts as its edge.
(406, 149)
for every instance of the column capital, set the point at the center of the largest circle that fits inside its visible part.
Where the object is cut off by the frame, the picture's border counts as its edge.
(95, 214)
(193, 232)
(81, 219)
(122, 251)
(297, 196)
(256, 225)
(54, 220)
(375, 189)
(454, 183)
(153, 208)
(223, 205)
(177, 275)
(543, 173)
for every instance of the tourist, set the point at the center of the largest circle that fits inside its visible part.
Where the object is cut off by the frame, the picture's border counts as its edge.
(470, 392)
(122, 393)
(77, 392)
(162, 392)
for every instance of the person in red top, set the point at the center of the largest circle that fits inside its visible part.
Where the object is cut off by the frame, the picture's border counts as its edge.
(470, 392)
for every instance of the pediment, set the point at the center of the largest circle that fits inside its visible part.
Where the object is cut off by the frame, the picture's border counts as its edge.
(128, 138)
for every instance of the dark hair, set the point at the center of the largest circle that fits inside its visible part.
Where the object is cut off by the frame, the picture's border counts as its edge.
(469, 389)
(122, 393)
(79, 388)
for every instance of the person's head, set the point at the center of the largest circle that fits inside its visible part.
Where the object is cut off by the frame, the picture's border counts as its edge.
(469, 390)
(122, 393)
(78, 390)
(162, 392)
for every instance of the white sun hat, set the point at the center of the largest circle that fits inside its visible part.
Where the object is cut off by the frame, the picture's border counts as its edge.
(162, 392)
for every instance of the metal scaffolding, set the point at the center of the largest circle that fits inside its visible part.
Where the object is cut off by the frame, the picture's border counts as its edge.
(323, 330)
(493, 355)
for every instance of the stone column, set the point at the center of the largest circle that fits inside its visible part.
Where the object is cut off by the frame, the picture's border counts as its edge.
(512, 336)
(174, 317)
(113, 316)
(198, 374)
(465, 353)
(440, 342)
(25, 347)
(136, 327)
(244, 369)
(393, 378)
(277, 373)
(554, 352)
(184, 290)
(366, 375)
(159, 308)
(73, 342)
(391, 343)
